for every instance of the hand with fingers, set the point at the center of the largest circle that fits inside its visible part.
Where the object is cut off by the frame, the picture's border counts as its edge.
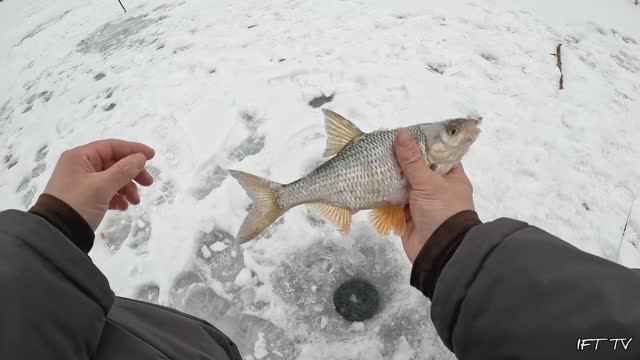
(100, 176)
(432, 198)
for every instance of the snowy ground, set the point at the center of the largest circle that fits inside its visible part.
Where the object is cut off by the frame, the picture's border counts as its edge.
(238, 84)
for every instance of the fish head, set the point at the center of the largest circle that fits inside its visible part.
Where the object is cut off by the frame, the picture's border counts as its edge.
(460, 132)
(449, 140)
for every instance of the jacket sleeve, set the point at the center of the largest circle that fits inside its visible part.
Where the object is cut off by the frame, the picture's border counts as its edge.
(513, 291)
(54, 300)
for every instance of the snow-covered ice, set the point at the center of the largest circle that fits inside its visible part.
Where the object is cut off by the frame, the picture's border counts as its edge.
(243, 278)
(218, 246)
(260, 350)
(239, 84)
(206, 253)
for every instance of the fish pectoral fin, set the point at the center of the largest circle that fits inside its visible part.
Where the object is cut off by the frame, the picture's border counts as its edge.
(388, 217)
(338, 216)
(340, 132)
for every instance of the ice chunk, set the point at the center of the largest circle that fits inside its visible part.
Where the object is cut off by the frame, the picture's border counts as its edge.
(323, 322)
(243, 278)
(404, 351)
(205, 252)
(314, 288)
(357, 326)
(141, 224)
(260, 349)
(219, 246)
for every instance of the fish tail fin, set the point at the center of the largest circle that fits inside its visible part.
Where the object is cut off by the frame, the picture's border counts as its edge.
(265, 208)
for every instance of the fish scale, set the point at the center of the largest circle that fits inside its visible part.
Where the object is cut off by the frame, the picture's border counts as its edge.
(363, 175)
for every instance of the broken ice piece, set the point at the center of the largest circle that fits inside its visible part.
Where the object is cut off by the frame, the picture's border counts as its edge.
(243, 278)
(233, 253)
(404, 351)
(169, 155)
(323, 322)
(260, 348)
(357, 326)
(205, 252)
(141, 224)
(314, 288)
(218, 246)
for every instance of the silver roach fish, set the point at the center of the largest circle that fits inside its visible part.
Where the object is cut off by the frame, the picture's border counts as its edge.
(362, 174)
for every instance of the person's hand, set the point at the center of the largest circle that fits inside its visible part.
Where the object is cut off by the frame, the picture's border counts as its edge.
(432, 198)
(99, 176)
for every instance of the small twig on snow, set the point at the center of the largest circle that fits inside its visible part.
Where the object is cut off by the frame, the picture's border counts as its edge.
(125, 10)
(624, 230)
(559, 63)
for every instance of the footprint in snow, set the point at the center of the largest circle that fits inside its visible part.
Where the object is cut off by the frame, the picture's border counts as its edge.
(406, 323)
(43, 96)
(321, 99)
(183, 283)
(220, 254)
(9, 160)
(210, 177)
(26, 187)
(140, 234)
(42, 152)
(164, 192)
(116, 229)
(148, 292)
(249, 146)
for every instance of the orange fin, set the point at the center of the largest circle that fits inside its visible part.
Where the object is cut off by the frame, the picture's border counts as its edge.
(338, 216)
(340, 132)
(388, 217)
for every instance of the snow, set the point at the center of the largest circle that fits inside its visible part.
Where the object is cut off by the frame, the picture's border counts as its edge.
(357, 326)
(243, 278)
(230, 84)
(323, 322)
(205, 252)
(260, 349)
(405, 351)
(218, 246)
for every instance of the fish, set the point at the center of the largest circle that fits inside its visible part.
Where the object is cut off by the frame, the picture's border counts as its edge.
(361, 174)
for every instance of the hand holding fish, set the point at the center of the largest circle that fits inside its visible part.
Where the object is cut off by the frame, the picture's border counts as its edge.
(432, 198)
(362, 174)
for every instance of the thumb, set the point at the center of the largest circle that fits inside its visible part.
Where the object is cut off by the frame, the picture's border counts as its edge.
(122, 172)
(457, 174)
(457, 171)
(409, 157)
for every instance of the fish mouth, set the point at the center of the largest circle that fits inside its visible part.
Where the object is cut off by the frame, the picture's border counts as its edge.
(472, 137)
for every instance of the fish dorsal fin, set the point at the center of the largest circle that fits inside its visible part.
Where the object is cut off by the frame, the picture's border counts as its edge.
(340, 132)
(388, 217)
(338, 216)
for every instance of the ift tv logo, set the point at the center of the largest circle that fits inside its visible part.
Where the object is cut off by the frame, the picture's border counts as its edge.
(621, 344)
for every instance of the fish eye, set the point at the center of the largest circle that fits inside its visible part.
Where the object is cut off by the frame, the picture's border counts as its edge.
(453, 131)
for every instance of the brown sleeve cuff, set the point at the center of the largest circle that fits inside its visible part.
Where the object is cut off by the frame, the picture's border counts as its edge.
(439, 248)
(64, 218)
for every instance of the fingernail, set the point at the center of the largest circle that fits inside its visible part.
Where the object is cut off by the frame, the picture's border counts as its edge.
(404, 138)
